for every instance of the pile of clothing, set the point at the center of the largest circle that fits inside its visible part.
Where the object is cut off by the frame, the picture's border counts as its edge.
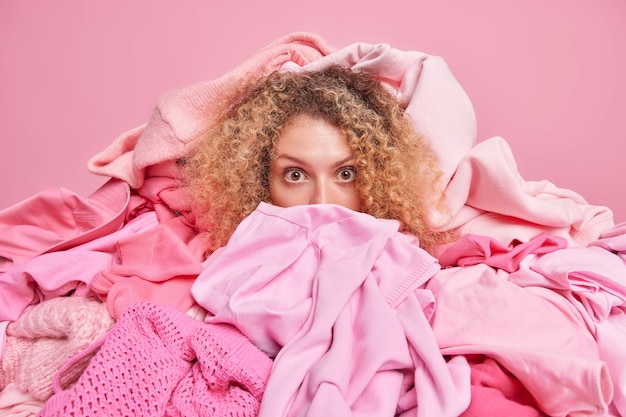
(107, 303)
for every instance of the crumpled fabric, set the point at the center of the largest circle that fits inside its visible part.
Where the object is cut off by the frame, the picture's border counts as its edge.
(335, 295)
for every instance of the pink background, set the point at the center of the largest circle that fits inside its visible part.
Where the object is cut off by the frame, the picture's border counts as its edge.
(547, 75)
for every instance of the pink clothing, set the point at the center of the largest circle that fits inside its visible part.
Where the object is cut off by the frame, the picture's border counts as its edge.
(181, 115)
(611, 336)
(58, 219)
(164, 193)
(594, 281)
(57, 273)
(595, 277)
(535, 333)
(320, 287)
(474, 249)
(496, 393)
(613, 240)
(15, 403)
(611, 333)
(489, 197)
(45, 336)
(485, 193)
(158, 361)
(159, 265)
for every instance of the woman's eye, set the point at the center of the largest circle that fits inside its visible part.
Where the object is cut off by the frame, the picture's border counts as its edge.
(294, 175)
(346, 174)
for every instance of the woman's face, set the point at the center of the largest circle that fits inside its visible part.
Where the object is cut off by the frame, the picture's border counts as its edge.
(313, 164)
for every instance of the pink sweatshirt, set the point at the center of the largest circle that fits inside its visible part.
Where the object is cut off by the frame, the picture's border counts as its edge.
(336, 297)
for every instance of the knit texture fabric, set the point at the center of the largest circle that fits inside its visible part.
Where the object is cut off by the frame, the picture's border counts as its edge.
(45, 336)
(158, 361)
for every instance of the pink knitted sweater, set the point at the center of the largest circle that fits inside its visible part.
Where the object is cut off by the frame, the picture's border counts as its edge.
(45, 336)
(158, 361)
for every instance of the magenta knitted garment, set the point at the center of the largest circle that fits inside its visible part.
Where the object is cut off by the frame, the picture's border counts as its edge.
(158, 361)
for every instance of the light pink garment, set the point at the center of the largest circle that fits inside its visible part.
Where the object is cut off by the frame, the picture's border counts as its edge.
(596, 277)
(594, 281)
(611, 334)
(335, 295)
(535, 333)
(181, 115)
(45, 336)
(15, 403)
(57, 273)
(57, 219)
(614, 240)
(489, 197)
(611, 337)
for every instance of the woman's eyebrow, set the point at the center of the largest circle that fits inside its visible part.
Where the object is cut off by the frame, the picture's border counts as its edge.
(291, 158)
(350, 158)
(303, 162)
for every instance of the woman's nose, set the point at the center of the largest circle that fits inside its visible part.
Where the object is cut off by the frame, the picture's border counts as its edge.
(322, 193)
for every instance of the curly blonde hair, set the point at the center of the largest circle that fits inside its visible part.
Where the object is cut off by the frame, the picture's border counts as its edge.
(227, 175)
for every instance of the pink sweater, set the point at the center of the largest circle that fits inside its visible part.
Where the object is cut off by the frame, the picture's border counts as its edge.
(158, 361)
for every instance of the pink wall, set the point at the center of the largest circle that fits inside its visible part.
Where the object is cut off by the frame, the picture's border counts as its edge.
(547, 75)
